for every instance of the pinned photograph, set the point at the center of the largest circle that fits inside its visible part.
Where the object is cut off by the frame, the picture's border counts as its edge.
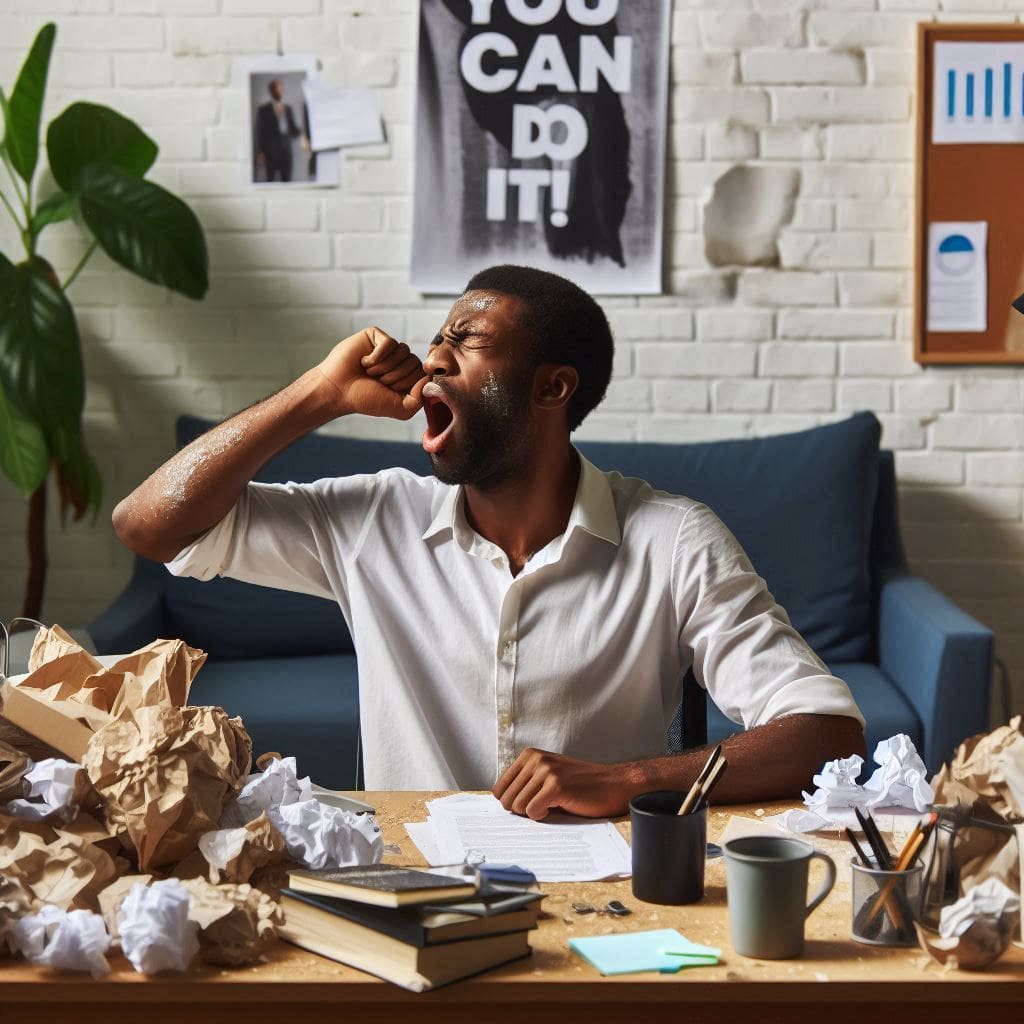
(280, 154)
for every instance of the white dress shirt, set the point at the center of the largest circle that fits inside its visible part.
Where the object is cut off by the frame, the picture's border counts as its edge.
(462, 665)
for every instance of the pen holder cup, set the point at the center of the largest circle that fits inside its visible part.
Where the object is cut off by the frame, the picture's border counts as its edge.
(668, 849)
(886, 904)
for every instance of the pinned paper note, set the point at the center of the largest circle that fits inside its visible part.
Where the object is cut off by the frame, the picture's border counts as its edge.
(664, 950)
(341, 117)
(957, 276)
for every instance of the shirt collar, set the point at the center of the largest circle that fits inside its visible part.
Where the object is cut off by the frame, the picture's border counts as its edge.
(593, 509)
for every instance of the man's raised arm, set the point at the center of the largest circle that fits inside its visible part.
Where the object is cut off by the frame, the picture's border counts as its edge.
(368, 373)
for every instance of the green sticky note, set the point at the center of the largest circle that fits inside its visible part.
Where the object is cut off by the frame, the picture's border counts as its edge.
(664, 950)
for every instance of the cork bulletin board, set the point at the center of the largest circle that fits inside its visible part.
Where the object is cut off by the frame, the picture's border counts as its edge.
(969, 230)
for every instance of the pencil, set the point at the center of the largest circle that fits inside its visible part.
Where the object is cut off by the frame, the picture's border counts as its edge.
(911, 848)
(690, 800)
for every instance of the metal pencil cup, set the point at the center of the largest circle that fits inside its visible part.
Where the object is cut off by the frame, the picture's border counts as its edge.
(886, 904)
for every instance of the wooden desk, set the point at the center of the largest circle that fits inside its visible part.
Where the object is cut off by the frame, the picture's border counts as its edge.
(837, 980)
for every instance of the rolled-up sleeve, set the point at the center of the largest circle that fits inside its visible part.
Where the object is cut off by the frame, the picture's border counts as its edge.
(291, 536)
(745, 652)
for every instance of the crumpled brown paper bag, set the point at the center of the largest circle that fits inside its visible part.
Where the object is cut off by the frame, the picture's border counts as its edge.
(164, 775)
(987, 772)
(236, 922)
(258, 844)
(53, 866)
(14, 903)
(159, 673)
(13, 765)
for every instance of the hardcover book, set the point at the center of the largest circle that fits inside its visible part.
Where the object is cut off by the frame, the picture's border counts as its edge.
(417, 968)
(416, 925)
(386, 885)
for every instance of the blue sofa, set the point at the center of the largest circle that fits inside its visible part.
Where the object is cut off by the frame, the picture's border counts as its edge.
(815, 510)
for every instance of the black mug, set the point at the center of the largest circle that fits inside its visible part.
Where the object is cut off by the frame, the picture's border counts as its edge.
(669, 849)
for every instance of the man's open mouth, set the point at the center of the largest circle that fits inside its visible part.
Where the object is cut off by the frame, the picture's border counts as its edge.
(440, 421)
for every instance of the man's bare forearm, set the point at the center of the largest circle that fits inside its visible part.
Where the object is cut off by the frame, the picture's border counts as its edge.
(768, 762)
(196, 488)
(368, 373)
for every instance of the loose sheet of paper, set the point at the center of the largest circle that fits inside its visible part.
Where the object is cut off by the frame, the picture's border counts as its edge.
(957, 276)
(475, 827)
(341, 117)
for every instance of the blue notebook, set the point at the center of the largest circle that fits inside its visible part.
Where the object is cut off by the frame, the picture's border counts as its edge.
(665, 950)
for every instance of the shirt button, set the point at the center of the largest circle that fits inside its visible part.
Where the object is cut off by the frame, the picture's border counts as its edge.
(510, 647)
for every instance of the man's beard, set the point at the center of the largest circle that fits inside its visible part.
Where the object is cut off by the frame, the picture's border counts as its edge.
(493, 435)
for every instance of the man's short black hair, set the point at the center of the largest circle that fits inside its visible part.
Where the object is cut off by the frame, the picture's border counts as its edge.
(566, 326)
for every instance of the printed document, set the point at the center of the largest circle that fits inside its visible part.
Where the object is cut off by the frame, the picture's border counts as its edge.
(477, 828)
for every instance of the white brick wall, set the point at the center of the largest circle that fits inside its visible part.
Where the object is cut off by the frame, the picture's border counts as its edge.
(826, 87)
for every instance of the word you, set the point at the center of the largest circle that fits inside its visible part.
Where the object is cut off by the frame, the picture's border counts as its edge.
(491, 63)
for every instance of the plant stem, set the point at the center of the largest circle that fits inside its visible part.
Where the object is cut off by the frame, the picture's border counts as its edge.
(81, 263)
(35, 536)
(14, 216)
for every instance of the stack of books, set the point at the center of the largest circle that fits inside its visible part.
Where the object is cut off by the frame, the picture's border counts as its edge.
(414, 927)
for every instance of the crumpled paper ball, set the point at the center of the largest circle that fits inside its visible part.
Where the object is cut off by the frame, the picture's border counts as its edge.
(164, 775)
(62, 940)
(236, 922)
(154, 926)
(15, 903)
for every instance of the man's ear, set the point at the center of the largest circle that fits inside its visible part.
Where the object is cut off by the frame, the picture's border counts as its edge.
(553, 385)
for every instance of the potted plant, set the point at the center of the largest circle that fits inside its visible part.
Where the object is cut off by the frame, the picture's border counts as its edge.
(98, 160)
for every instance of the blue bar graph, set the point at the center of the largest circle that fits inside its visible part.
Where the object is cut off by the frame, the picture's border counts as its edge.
(978, 91)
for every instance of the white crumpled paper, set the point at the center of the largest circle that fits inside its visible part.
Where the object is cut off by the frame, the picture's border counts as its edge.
(63, 940)
(900, 781)
(276, 785)
(317, 834)
(156, 933)
(53, 780)
(985, 903)
(322, 836)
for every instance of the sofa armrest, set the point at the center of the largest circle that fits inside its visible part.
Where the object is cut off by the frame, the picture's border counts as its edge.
(137, 615)
(940, 658)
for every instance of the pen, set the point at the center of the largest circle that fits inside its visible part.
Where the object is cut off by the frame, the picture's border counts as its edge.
(691, 798)
(882, 856)
(860, 853)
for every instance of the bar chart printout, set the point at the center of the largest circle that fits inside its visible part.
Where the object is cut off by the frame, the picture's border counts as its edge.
(978, 92)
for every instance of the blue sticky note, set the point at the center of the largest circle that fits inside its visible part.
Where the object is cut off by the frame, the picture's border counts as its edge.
(664, 950)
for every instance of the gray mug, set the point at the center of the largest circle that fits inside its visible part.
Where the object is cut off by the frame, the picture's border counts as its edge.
(766, 885)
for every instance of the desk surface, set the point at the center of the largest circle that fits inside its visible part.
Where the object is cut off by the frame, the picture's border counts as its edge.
(836, 980)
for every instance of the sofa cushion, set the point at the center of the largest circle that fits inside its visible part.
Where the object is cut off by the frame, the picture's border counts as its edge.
(306, 708)
(801, 505)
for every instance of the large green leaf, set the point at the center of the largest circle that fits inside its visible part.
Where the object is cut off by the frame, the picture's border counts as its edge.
(144, 228)
(88, 133)
(40, 355)
(60, 206)
(25, 105)
(24, 456)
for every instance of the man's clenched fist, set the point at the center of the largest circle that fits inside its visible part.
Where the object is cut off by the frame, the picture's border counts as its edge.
(375, 375)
